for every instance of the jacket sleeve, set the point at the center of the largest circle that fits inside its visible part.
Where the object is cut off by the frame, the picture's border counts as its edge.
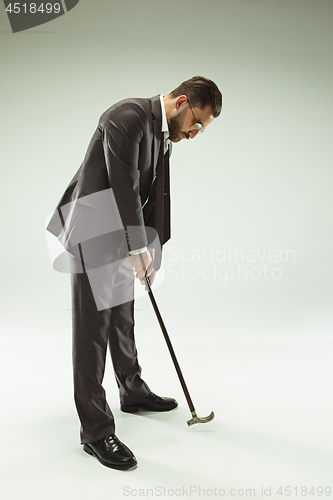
(123, 129)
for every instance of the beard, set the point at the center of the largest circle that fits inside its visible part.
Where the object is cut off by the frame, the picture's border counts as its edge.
(175, 127)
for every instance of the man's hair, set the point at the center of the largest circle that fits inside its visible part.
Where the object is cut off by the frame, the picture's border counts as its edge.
(200, 91)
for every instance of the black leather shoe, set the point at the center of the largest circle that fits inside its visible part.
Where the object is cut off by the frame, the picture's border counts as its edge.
(111, 452)
(151, 403)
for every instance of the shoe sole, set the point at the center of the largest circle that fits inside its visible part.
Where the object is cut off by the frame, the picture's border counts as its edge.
(91, 452)
(135, 409)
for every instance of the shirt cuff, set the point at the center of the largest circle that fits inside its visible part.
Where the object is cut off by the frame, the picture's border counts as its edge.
(139, 250)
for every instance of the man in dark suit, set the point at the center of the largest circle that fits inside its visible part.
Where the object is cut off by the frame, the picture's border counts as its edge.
(125, 171)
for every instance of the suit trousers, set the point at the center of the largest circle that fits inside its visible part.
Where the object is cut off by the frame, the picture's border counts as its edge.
(93, 331)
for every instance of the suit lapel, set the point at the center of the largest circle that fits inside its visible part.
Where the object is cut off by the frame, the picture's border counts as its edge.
(157, 129)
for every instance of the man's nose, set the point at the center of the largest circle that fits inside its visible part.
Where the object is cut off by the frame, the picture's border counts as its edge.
(193, 133)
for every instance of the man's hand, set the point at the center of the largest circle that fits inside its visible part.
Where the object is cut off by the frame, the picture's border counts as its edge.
(141, 262)
(150, 271)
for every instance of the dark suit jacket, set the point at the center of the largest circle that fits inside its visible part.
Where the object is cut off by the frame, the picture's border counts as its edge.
(123, 154)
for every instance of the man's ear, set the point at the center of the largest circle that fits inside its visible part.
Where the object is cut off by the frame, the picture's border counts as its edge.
(180, 101)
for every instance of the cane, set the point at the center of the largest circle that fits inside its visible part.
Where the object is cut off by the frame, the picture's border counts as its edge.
(195, 419)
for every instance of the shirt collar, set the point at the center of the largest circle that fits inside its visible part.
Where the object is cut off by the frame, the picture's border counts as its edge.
(165, 127)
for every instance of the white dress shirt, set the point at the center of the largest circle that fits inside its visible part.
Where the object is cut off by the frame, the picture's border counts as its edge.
(165, 127)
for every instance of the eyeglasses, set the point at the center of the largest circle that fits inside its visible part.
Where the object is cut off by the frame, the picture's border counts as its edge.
(197, 126)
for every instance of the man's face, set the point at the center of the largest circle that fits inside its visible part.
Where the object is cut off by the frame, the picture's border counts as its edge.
(180, 124)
